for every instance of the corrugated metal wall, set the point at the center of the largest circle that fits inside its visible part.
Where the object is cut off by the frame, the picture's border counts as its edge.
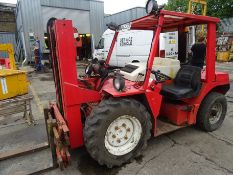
(125, 16)
(96, 9)
(72, 4)
(97, 19)
(82, 23)
(227, 25)
(19, 21)
(30, 16)
(31, 20)
(7, 37)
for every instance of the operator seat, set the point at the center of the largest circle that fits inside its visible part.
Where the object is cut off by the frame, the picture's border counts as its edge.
(186, 84)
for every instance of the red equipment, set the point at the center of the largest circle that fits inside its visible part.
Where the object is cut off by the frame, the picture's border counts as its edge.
(116, 124)
(5, 62)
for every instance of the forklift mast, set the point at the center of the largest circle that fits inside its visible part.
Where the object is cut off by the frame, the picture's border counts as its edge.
(69, 94)
(63, 54)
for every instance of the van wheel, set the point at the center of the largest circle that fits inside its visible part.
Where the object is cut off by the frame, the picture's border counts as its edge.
(212, 112)
(135, 61)
(117, 131)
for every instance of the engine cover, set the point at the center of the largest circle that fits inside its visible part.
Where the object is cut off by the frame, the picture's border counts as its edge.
(136, 71)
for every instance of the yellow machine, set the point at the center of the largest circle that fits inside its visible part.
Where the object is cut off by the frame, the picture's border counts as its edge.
(223, 56)
(13, 82)
(10, 51)
(193, 5)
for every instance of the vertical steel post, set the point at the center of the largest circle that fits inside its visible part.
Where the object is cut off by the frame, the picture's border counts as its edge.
(210, 54)
(112, 47)
(154, 50)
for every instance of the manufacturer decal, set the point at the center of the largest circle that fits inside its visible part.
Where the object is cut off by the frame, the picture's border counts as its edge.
(126, 41)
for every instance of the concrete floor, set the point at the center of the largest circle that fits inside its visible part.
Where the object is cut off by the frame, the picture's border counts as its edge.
(186, 151)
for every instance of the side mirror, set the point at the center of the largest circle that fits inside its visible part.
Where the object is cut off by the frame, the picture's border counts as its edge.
(113, 26)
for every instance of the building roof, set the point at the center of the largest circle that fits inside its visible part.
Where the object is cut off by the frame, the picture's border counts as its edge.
(108, 15)
(7, 7)
(227, 25)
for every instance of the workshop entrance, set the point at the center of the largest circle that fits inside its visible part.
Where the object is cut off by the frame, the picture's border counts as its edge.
(85, 52)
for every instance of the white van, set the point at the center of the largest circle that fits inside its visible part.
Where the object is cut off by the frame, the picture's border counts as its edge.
(134, 46)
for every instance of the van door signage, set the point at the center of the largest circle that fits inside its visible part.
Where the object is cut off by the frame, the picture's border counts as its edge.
(126, 41)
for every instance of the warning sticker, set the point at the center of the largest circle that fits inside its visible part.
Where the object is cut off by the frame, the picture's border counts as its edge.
(4, 86)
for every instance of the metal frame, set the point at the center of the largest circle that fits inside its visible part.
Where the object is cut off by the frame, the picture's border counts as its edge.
(202, 2)
(17, 105)
(204, 9)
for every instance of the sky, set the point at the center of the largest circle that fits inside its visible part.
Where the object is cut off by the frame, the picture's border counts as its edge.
(114, 6)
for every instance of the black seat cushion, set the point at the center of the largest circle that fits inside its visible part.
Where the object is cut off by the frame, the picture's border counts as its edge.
(176, 92)
(186, 84)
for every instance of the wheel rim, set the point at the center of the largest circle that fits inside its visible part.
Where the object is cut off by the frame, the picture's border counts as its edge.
(123, 135)
(215, 113)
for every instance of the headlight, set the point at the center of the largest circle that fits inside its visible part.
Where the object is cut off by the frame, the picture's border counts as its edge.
(119, 83)
(151, 6)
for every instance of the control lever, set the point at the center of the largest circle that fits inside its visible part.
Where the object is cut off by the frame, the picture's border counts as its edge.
(160, 77)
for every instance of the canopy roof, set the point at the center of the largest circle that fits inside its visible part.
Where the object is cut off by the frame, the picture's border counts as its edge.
(172, 20)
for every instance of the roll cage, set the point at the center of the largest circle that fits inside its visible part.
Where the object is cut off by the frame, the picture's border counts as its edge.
(166, 21)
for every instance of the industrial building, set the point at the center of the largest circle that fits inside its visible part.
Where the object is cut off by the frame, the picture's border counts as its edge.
(226, 25)
(7, 25)
(32, 17)
(87, 15)
(125, 16)
(7, 21)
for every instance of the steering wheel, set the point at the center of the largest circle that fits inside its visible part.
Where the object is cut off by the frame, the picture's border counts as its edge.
(89, 70)
(160, 77)
(97, 68)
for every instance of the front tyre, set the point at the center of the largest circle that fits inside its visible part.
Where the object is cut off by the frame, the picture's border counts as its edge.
(117, 131)
(212, 112)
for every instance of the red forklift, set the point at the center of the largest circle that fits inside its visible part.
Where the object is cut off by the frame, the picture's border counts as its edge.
(112, 116)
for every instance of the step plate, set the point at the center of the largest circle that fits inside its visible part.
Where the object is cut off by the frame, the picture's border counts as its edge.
(166, 127)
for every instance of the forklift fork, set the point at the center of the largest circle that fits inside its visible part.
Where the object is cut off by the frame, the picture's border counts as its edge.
(58, 136)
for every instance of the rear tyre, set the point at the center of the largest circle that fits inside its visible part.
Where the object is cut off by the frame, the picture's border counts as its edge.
(212, 112)
(117, 131)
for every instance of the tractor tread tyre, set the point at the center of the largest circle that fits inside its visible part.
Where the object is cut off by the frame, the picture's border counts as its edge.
(202, 115)
(101, 117)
